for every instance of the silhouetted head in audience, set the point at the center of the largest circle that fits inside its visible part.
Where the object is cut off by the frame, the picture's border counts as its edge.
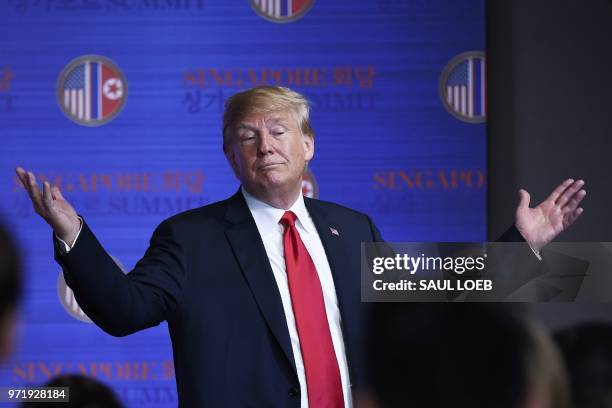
(587, 350)
(460, 356)
(85, 392)
(10, 289)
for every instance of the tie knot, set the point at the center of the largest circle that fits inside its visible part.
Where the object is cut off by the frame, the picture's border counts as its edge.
(288, 219)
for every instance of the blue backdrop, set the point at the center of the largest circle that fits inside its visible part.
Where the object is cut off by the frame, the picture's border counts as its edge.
(131, 132)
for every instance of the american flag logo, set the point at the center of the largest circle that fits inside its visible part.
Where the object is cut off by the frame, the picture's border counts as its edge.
(463, 87)
(310, 188)
(281, 11)
(91, 90)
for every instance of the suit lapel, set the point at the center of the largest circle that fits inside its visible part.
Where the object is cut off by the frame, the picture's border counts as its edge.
(250, 252)
(334, 249)
(337, 256)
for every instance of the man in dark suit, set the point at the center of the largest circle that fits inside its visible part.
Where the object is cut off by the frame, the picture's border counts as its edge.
(10, 290)
(261, 291)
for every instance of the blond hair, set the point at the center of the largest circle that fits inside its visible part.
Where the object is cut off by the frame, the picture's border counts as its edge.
(546, 368)
(265, 99)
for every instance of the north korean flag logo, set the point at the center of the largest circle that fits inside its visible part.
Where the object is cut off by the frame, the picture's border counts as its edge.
(91, 90)
(281, 11)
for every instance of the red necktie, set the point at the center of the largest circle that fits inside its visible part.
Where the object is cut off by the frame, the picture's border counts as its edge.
(322, 372)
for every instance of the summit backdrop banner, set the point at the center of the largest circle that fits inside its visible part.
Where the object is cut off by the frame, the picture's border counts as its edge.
(120, 101)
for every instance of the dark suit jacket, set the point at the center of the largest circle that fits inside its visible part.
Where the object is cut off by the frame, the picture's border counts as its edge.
(207, 273)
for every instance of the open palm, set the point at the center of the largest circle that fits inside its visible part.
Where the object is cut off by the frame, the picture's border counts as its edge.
(51, 205)
(542, 224)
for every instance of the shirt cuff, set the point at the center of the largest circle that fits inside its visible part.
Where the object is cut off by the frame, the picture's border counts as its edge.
(64, 247)
(535, 252)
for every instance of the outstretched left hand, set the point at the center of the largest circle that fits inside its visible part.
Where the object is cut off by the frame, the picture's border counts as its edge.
(542, 224)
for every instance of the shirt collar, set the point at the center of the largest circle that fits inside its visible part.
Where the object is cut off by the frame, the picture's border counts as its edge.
(267, 217)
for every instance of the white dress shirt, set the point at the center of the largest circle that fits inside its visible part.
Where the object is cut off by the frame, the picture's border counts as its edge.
(271, 231)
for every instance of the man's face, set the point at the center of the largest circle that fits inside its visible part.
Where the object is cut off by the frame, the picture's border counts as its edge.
(268, 153)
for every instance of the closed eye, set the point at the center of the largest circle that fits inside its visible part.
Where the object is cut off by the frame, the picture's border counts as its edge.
(278, 131)
(246, 137)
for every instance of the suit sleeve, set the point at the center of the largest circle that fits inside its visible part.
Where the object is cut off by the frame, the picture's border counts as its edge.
(511, 235)
(124, 303)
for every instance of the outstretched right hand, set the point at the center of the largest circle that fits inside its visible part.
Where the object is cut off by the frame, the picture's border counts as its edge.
(51, 206)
